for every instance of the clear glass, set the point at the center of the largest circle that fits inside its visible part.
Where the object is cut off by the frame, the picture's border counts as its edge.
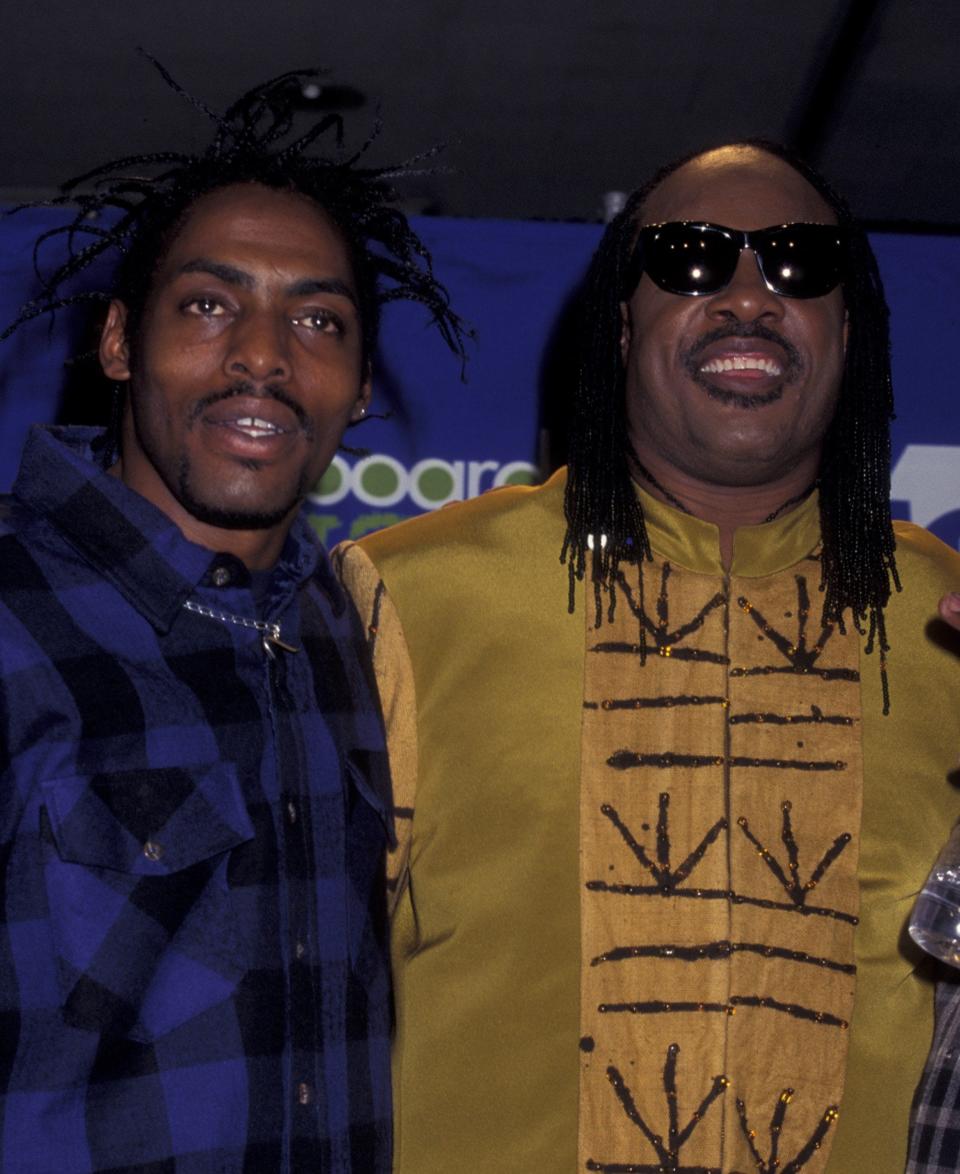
(935, 921)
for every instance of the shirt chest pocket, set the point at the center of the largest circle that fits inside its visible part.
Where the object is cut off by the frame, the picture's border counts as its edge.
(142, 916)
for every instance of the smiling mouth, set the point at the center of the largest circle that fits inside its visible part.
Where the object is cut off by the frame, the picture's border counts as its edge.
(742, 363)
(746, 364)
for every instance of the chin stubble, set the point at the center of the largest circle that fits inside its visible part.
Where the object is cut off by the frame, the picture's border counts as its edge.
(235, 519)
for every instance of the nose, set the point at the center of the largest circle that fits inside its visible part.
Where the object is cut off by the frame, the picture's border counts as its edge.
(258, 349)
(746, 298)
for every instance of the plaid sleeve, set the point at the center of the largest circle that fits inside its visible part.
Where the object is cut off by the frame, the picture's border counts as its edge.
(935, 1115)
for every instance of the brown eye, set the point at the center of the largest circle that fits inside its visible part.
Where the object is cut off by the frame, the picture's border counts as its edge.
(319, 321)
(204, 307)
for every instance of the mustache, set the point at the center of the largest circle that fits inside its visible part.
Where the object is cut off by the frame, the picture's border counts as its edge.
(246, 388)
(793, 360)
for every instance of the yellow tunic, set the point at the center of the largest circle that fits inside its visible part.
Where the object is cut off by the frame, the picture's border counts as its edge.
(494, 704)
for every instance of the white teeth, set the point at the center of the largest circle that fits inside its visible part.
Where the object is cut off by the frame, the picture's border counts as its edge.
(741, 363)
(256, 427)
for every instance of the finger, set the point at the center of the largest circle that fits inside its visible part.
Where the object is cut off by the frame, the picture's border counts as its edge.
(950, 609)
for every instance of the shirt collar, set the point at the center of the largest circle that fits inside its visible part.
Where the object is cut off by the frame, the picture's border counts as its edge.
(758, 550)
(132, 544)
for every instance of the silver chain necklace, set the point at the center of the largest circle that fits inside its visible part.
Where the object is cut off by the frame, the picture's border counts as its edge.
(269, 630)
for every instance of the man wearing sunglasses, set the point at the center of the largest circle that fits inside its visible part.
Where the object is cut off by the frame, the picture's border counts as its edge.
(673, 799)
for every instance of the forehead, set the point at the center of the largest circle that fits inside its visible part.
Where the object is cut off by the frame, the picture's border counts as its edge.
(260, 226)
(739, 188)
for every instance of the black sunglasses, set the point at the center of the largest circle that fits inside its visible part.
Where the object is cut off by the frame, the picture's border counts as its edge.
(691, 258)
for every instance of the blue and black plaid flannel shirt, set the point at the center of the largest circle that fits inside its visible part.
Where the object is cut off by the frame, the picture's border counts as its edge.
(193, 975)
(935, 1117)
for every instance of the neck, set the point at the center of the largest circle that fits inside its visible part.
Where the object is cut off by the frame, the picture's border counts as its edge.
(728, 507)
(257, 549)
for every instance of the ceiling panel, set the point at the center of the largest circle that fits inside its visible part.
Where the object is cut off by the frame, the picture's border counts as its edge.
(543, 106)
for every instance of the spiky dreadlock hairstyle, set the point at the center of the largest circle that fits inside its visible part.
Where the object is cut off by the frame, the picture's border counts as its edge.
(150, 196)
(857, 561)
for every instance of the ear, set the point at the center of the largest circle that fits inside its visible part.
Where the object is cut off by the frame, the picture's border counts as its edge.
(114, 349)
(363, 400)
(626, 331)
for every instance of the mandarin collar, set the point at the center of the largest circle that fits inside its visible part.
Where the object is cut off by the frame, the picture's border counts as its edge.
(759, 550)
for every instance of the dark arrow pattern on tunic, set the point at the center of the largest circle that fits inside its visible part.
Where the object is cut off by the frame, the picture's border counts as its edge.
(667, 1149)
(666, 639)
(800, 657)
(789, 878)
(773, 1164)
(799, 651)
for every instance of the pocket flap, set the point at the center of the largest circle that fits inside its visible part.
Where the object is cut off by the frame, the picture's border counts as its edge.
(147, 822)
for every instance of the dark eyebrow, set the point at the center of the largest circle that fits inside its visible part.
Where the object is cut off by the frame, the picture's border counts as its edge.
(331, 285)
(227, 273)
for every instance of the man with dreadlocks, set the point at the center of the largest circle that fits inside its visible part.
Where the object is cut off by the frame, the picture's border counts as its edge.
(195, 803)
(665, 833)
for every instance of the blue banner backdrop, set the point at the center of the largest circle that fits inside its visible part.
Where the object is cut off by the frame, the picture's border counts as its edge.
(446, 440)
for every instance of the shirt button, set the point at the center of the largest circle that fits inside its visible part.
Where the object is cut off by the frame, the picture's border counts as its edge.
(221, 576)
(299, 949)
(292, 811)
(304, 1093)
(152, 850)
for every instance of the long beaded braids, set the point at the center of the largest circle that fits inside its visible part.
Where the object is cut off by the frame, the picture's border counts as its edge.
(136, 205)
(605, 523)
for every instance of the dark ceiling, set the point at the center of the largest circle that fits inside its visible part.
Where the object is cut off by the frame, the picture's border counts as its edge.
(544, 106)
